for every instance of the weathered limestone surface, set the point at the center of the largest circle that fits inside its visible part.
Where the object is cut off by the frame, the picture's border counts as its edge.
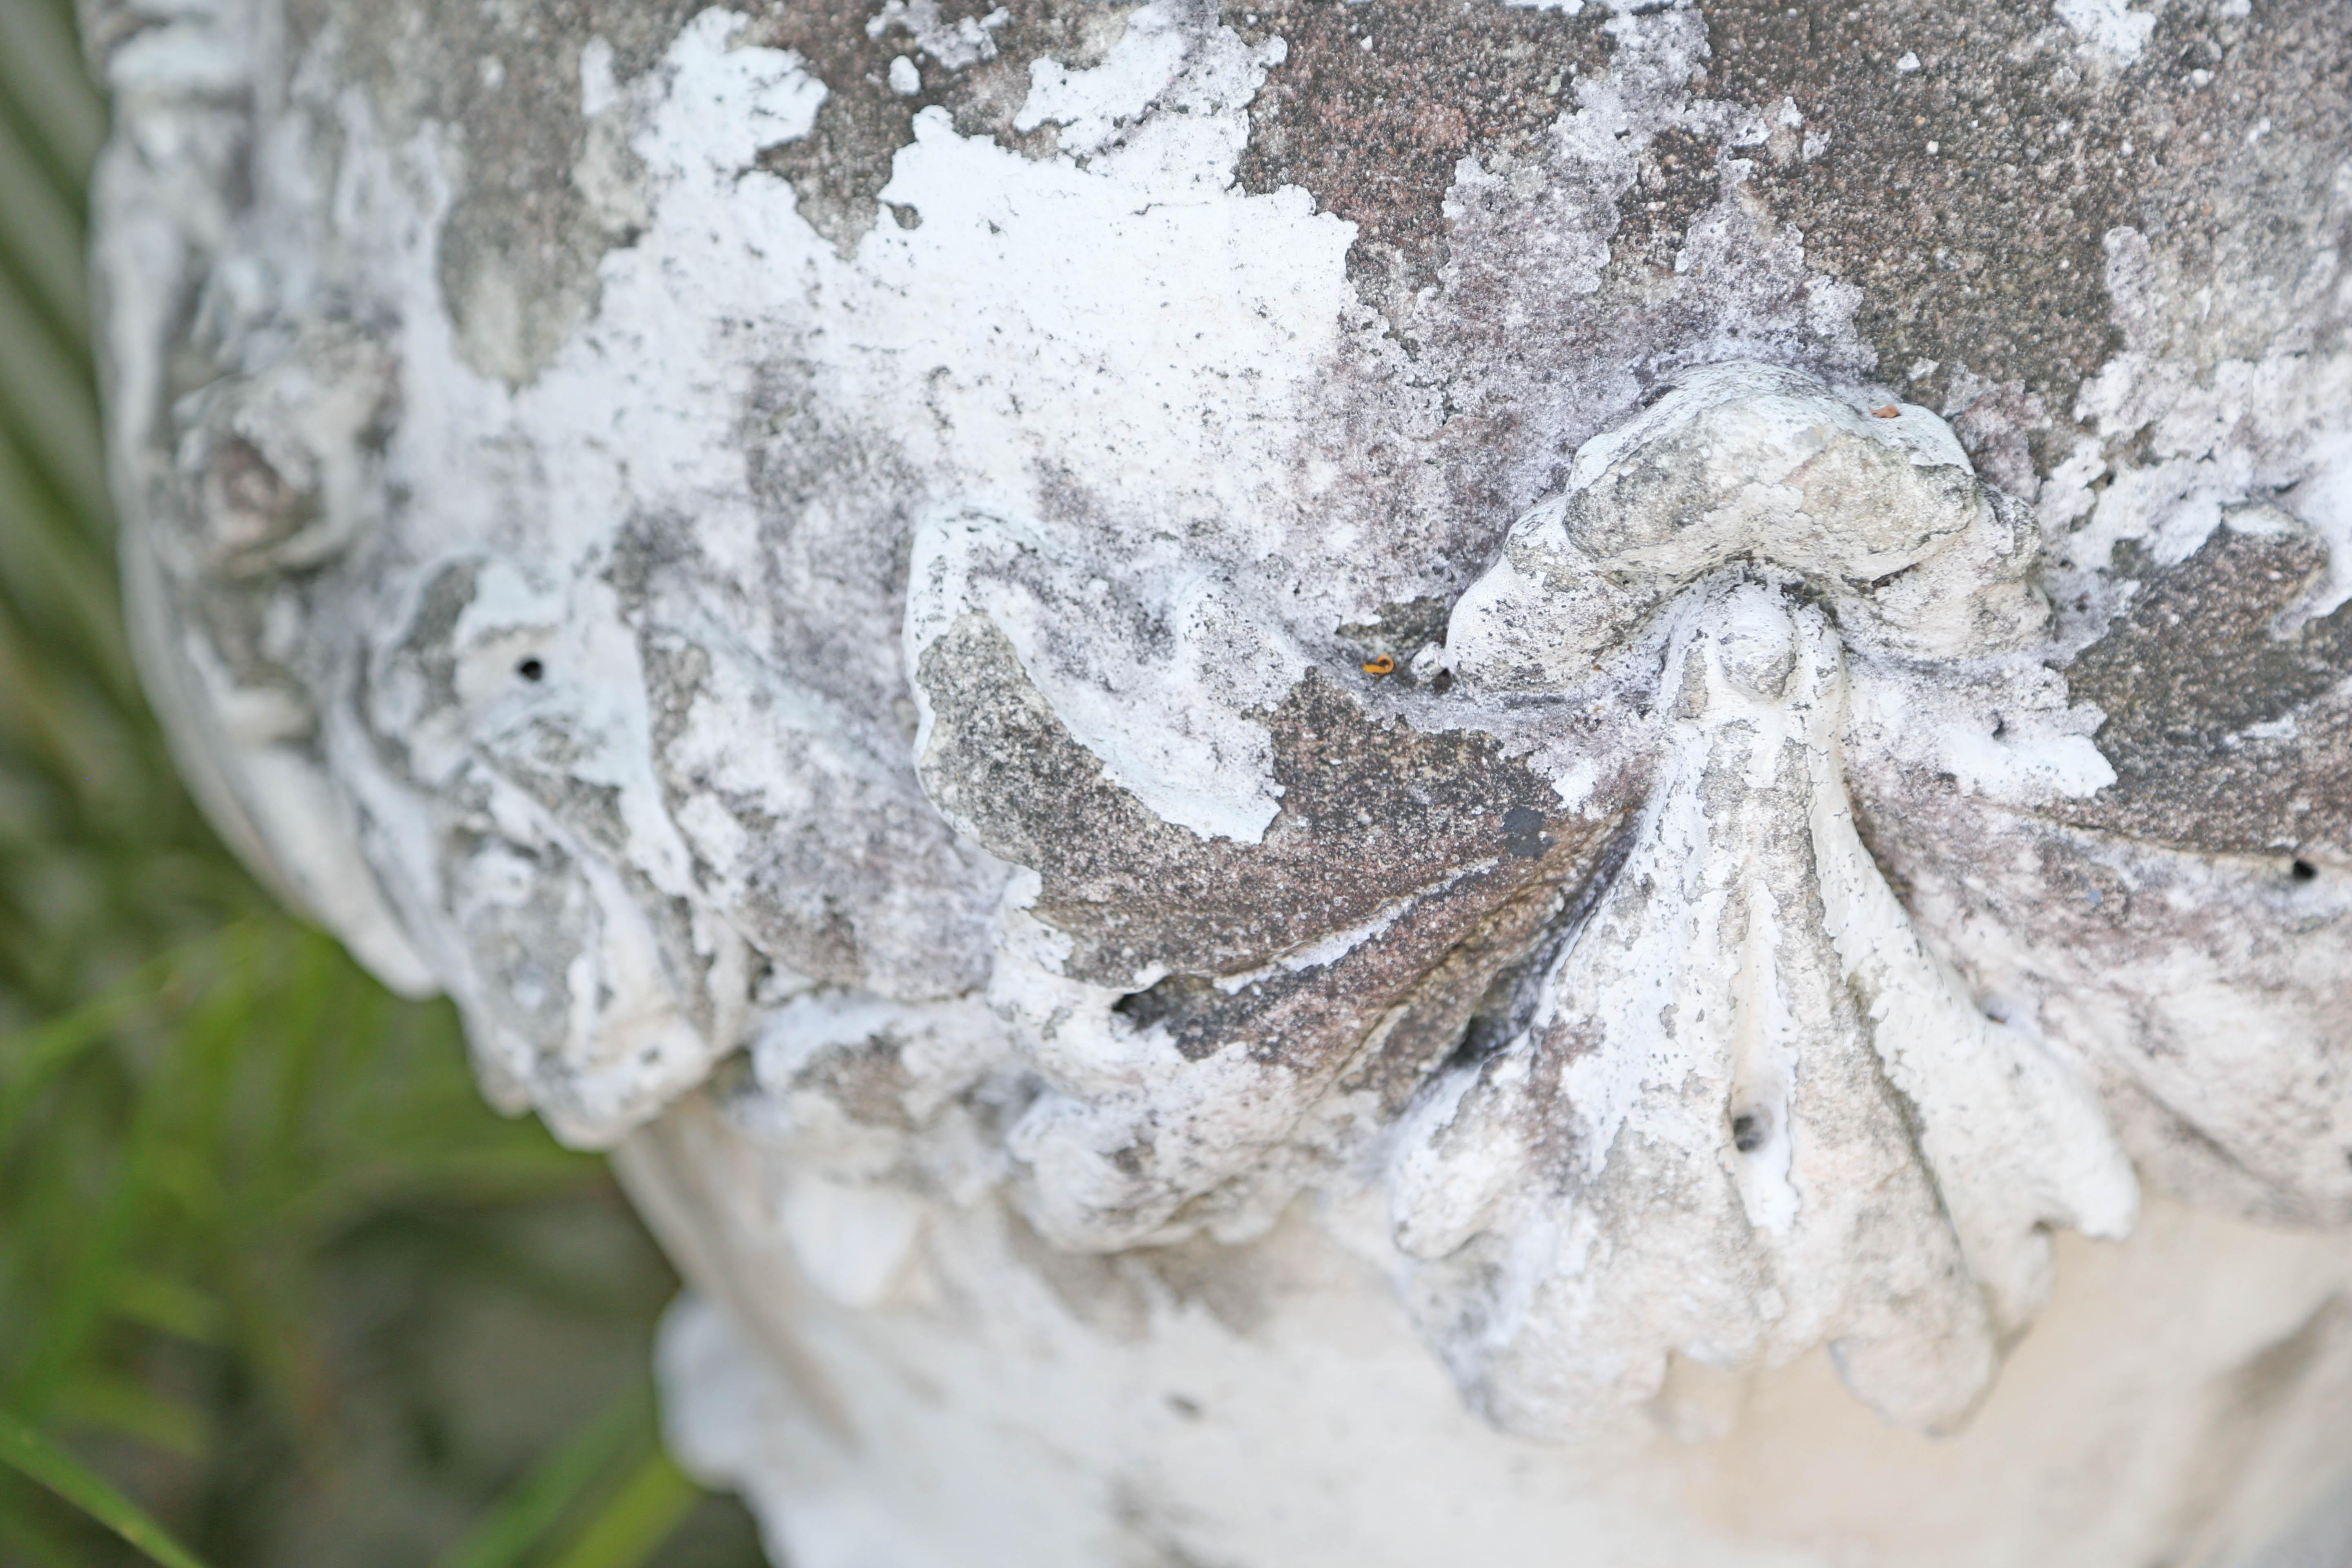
(1320, 782)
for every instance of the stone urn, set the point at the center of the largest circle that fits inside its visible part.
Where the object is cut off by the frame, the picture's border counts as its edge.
(1553, 784)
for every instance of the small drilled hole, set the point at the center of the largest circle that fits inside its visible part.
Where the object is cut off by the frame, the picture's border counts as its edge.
(531, 669)
(2303, 870)
(1747, 1133)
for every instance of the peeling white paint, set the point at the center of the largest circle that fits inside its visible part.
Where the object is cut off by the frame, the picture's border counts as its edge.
(614, 733)
(2324, 503)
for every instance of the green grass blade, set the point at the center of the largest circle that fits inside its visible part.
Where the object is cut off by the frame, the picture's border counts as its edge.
(46, 401)
(43, 81)
(168, 1306)
(27, 1544)
(58, 578)
(643, 1513)
(539, 1502)
(30, 1059)
(98, 1401)
(42, 240)
(81, 1287)
(26, 1450)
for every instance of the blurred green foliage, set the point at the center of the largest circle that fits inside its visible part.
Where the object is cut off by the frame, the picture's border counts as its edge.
(270, 1272)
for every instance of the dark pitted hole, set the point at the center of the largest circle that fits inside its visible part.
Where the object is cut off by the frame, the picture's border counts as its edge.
(530, 669)
(1189, 1409)
(1748, 1130)
(2303, 870)
(1182, 1003)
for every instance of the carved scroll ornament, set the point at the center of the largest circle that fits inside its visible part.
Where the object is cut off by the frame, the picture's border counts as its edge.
(1718, 1095)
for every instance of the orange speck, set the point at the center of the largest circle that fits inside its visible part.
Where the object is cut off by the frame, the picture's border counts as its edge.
(1889, 412)
(1384, 665)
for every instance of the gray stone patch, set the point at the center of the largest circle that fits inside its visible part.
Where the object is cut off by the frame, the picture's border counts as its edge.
(1374, 106)
(970, 57)
(540, 193)
(868, 1080)
(2226, 736)
(1676, 179)
(1981, 267)
(1560, 301)
(2219, 143)
(1370, 813)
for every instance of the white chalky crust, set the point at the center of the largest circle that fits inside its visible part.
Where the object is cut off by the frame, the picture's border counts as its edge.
(843, 721)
